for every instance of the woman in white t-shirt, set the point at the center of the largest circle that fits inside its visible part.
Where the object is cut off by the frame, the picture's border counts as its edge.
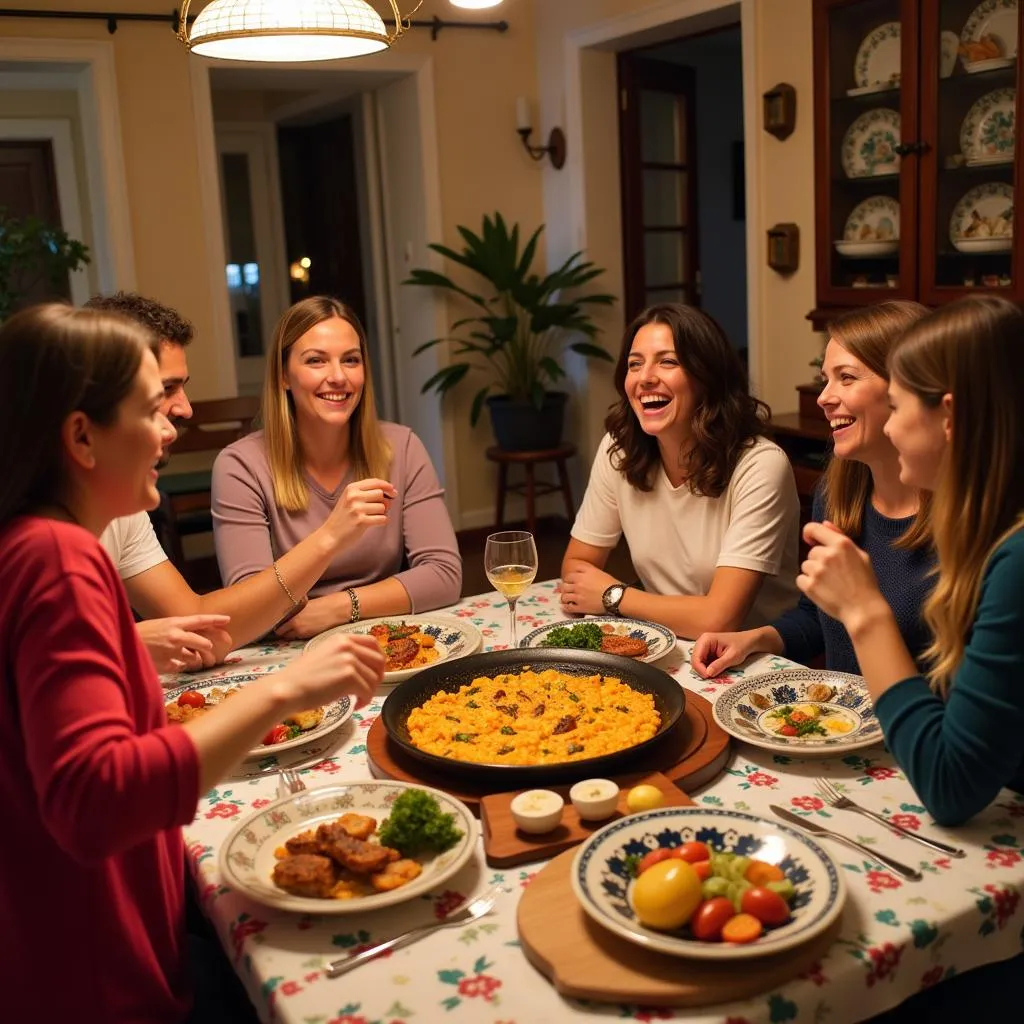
(707, 504)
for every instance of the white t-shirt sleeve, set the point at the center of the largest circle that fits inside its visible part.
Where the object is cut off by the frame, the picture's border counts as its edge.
(764, 511)
(132, 545)
(598, 521)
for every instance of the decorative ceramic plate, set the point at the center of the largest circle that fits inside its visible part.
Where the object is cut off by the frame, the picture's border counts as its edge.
(988, 39)
(335, 714)
(824, 714)
(987, 134)
(872, 229)
(660, 640)
(453, 638)
(247, 857)
(950, 47)
(601, 881)
(869, 145)
(982, 221)
(877, 64)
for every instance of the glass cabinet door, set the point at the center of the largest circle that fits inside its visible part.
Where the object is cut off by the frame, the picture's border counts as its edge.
(968, 175)
(866, 76)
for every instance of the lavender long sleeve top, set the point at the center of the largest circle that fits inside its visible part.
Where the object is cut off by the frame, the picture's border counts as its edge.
(417, 546)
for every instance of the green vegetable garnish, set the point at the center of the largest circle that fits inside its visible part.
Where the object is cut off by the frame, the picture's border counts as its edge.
(418, 825)
(584, 636)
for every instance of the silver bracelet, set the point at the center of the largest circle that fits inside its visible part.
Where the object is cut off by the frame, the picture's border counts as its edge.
(354, 598)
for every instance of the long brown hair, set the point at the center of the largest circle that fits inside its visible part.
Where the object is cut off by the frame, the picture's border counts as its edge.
(972, 349)
(56, 360)
(869, 334)
(727, 418)
(369, 451)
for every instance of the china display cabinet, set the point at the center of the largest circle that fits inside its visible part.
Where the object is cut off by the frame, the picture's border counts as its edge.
(915, 150)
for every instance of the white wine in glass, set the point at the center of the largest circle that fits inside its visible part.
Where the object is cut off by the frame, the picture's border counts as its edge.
(510, 561)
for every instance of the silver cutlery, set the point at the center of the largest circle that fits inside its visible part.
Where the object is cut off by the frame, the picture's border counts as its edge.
(812, 826)
(470, 911)
(834, 798)
(289, 783)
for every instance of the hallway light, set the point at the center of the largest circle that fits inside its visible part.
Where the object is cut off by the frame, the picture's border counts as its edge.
(289, 30)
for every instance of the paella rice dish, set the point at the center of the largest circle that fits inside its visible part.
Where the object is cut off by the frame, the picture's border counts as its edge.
(530, 718)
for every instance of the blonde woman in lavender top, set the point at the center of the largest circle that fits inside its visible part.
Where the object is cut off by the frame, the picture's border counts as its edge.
(322, 443)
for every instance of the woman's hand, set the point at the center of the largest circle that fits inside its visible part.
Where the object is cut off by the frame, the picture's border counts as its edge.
(713, 653)
(837, 576)
(319, 613)
(184, 643)
(582, 589)
(348, 663)
(362, 505)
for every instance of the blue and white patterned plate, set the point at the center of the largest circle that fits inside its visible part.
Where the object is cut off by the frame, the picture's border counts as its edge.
(453, 638)
(660, 640)
(749, 709)
(601, 881)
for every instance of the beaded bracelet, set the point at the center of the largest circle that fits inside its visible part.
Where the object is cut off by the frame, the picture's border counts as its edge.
(354, 598)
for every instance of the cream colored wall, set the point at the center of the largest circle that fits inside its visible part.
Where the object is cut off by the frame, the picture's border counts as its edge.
(57, 105)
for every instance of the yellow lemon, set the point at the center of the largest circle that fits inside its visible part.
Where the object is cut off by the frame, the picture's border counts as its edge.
(644, 798)
(666, 895)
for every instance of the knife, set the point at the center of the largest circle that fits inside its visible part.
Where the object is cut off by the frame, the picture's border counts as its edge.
(812, 826)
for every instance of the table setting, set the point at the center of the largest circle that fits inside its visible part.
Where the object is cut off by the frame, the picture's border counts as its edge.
(882, 902)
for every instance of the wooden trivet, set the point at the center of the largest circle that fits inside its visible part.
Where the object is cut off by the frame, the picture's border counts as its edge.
(505, 845)
(585, 961)
(693, 754)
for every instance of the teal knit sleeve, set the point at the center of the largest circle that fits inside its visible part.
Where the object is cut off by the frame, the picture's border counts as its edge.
(960, 752)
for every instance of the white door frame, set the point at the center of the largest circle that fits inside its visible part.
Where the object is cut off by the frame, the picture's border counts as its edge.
(604, 35)
(58, 134)
(91, 63)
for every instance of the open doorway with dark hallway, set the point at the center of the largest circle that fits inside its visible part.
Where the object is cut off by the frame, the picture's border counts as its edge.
(683, 202)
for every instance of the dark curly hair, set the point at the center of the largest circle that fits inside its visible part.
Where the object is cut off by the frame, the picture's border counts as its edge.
(727, 418)
(165, 323)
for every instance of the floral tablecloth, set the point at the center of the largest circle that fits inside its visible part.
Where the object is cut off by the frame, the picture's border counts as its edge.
(897, 937)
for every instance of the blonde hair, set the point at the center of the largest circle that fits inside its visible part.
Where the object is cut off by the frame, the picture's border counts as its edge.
(972, 349)
(869, 335)
(369, 451)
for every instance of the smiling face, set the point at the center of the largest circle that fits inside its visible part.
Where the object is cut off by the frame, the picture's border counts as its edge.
(659, 390)
(856, 404)
(920, 434)
(325, 373)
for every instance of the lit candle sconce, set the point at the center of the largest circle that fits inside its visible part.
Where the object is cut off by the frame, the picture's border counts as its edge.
(299, 270)
(556, 139)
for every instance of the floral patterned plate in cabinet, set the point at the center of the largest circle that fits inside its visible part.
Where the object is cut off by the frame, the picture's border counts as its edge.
(987, 135)
(988, 39)
(801, 711)
(872, 229)
(877, 64)
(982, 221)
(870, 144)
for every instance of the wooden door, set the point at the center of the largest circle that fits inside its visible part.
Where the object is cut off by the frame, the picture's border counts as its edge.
(659, 187)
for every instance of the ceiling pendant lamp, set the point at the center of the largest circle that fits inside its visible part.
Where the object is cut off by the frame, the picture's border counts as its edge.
(289, 30)
(474, 5)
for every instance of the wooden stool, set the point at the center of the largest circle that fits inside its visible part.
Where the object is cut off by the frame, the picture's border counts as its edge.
(531, 488)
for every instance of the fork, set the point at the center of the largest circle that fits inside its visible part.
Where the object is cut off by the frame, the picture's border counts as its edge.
(467, 912)
(289, 783)
(834, 798)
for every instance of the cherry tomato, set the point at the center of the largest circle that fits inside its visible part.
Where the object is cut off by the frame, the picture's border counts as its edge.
(760, 872)
(788, 730)
(799, 716)
(767, 906)
(692, 852)
(711, 916)
(703, 869)
(648, 860)
(741, 928)
(191, 699)
(276, 735)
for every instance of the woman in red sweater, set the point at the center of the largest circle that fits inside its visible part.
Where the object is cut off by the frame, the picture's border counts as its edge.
(94, 784)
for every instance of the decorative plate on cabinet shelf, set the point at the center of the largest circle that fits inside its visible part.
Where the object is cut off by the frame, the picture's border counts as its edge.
(989, 37)
(949, 48)
(877, 64)
(872, 229)
(982, 221)
(987, 135)
(869, 145)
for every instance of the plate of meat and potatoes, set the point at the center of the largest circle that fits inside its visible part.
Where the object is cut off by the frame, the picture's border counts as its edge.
(608, 634)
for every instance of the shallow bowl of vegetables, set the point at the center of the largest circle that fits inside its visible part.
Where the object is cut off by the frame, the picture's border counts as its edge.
(707, 884)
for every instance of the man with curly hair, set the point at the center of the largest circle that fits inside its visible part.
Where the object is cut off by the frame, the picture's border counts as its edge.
(183, 629)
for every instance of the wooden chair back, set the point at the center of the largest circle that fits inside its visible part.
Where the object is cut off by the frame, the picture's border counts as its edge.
(216, 423)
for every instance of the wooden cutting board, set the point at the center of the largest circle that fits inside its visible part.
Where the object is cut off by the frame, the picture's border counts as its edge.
(505, 845)
(694, 753)
(586, 961)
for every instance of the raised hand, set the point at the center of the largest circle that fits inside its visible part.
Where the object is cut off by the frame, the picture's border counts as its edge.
(362, 505)
(183, 643)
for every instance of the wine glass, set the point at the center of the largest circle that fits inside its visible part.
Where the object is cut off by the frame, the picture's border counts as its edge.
(510, 561)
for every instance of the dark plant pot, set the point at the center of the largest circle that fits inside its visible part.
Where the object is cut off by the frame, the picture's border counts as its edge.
(519, 426)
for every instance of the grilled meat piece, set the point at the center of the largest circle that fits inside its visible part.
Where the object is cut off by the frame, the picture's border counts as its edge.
(305, 874)
(304, 842)
(565, 724)
(626, 646)
(361, 858)
(398, 653)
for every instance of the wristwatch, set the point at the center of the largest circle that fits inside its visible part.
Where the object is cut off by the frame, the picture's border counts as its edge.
(612, 598)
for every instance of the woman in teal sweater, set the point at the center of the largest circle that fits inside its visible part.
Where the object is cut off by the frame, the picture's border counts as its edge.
(957, 422)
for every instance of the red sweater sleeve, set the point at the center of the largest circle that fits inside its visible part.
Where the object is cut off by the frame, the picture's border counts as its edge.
(108, 771)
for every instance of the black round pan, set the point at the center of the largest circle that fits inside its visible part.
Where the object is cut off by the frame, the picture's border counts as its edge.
(669, 699)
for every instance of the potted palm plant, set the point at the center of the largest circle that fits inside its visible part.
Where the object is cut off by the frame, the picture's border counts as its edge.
(520, 322)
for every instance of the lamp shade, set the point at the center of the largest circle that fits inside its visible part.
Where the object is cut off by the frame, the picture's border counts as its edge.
(287, 30)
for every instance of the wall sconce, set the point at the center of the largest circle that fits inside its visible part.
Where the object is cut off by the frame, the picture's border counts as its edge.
(556, 140)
